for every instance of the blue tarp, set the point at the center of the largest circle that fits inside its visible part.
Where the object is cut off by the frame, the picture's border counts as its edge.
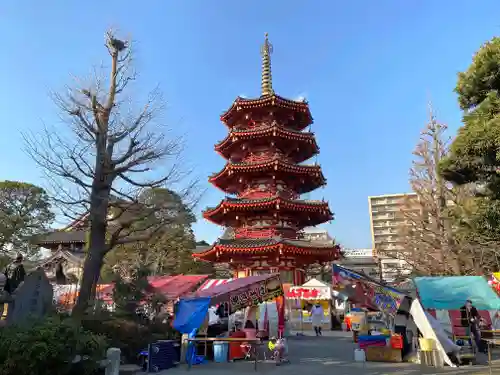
(190, 314)
(450, 293)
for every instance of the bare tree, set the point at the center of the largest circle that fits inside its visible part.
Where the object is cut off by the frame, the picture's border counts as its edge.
(104, 160)
(427, 230)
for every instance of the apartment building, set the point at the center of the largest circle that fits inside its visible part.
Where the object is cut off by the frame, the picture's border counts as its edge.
(386, 220)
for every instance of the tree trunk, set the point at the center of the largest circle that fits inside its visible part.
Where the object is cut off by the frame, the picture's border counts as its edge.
(97, 244)
(91, 268)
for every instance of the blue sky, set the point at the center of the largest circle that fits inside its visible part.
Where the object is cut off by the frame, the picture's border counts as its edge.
(367, 68)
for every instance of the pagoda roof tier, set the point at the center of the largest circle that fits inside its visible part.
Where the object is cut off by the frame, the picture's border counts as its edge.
(307, 213)
(304, 178)
(241, 106)
(307, 149)
(316, 251)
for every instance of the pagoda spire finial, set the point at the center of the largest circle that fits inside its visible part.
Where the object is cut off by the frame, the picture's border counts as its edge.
(267, 78)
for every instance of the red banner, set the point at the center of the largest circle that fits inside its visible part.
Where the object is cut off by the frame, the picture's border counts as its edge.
(280, 306)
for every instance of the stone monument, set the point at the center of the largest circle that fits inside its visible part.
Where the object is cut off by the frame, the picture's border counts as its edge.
(31, 300)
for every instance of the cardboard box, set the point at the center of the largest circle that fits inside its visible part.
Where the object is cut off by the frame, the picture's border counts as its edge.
(383, 354)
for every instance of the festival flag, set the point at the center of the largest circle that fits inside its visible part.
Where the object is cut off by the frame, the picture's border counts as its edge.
(280, 306)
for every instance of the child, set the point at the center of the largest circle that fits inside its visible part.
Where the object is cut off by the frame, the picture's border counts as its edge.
(279, 348)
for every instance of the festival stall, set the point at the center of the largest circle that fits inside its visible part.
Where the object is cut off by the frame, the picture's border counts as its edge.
(375, 343)
(442, 298)
(301, 299)
(239, 294)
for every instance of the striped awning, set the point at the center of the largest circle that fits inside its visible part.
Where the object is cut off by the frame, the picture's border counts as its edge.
(210, 283)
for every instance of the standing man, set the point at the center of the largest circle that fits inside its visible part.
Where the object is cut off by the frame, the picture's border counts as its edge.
(317, 318)
(15, 274)
(470, 318)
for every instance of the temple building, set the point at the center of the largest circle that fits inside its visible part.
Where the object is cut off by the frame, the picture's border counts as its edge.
(67, 252)
(263, 178)
(67, 245)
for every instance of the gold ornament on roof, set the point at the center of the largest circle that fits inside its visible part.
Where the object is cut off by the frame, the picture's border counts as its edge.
(267, 80)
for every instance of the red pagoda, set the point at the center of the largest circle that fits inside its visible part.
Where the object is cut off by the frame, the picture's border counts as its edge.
(265, 150)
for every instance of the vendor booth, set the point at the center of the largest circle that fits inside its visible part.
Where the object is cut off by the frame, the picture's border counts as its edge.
(373, 321)
(436, 344)
(443, 297)
(301, 299)
(240, 294)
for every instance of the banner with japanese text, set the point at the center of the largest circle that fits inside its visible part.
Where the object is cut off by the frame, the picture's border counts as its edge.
(309, 293)
(367, 291)
(257, 293)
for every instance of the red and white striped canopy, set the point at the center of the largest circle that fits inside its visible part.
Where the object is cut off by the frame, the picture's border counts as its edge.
(210, 283)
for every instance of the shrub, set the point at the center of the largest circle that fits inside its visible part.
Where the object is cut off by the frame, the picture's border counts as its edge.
(49, 346)
(128, 335)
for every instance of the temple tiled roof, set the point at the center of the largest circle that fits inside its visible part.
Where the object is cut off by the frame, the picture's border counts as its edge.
(271, 127)
(73, 258)
(261, 242)
(271, 163)
(301, 108)
(66, 237)
(267, 130)
(269, 199)
(230, 200)
(224, 248)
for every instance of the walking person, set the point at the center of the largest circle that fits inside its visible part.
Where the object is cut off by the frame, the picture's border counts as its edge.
(317, 318)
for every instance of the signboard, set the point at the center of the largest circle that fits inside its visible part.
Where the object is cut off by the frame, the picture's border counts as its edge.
(309, 293)
(367, 291)
(357, 253)
(358, 320)
(256, 293)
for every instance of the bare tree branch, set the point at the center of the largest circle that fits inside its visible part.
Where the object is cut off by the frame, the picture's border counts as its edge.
(106, 158)
(429, 243)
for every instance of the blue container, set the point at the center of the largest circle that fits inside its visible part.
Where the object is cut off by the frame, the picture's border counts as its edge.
(163, 355)
(221, 350)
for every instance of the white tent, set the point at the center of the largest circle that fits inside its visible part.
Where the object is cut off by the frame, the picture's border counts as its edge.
(428, 331)
(315, 283)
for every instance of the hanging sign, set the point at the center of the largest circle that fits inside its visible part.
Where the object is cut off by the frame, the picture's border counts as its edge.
(357, 253)
(309, 293)
(257, 293)
(367, 291)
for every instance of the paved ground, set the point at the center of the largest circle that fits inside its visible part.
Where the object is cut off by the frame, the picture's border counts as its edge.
(331, 354)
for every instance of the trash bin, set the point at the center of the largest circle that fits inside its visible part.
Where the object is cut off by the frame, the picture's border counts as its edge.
(221, 350)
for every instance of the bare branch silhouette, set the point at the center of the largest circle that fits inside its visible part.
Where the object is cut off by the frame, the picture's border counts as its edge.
(104, 158)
